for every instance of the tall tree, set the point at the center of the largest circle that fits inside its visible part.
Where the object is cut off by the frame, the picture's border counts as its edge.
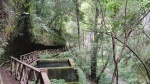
(95, 43)
(76, 2)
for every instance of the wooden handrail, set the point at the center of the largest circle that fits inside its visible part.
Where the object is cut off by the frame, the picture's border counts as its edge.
(30, 57)
(34, 56)
(25, 72)
(25, 64)
(44, 76)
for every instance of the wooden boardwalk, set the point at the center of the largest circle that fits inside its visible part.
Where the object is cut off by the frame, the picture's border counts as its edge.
(6, 77)
(23, 70)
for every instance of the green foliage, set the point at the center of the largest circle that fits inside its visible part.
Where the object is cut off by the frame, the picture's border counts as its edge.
(146, 4)
(113, 6)
(105, 79)
(82, 76)
(54, 22)
(50, 19)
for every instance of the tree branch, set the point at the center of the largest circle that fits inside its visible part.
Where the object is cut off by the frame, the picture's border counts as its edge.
(115, 75)
(136, 56)
(142, 18)
(99, 77)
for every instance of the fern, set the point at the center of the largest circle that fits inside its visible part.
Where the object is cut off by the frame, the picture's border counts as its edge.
(82, 76)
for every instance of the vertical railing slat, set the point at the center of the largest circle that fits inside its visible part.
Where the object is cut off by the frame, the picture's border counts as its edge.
(23, 72)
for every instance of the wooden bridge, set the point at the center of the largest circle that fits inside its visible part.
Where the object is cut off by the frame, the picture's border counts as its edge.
(21, 72)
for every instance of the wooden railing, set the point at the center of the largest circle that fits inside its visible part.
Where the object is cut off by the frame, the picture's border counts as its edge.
(26, 73)
(30, 57)
(34, 56)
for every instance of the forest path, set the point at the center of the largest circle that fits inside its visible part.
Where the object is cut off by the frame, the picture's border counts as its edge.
(107, 70)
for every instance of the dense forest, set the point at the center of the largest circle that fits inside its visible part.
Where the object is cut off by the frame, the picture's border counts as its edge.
(108, 39)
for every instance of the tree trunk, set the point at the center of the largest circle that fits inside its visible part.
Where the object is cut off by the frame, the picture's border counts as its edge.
(78, 22)
(95, 45)
(115, 74)
(1, 5)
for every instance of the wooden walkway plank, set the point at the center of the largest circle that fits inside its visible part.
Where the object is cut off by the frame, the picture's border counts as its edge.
(6, 76)
(1, 82)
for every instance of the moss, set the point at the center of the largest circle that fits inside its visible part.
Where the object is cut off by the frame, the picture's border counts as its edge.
(68, 74)
(53, 60)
